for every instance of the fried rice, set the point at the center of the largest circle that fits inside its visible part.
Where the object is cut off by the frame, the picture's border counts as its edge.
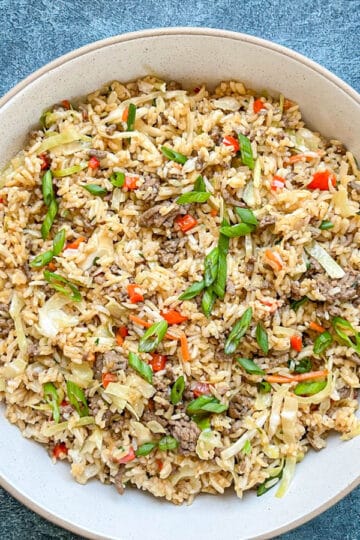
(252, 277)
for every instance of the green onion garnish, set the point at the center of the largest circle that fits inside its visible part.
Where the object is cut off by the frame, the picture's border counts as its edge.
(246, 449)
(262, 338)
(58, 242)
(250, 366)
(223, 246)
(211, 266)
(193, 197)
(303, 366)
(240, 229)
(208, 301)
(145, 449)
(347, 333)
(193, 290)
(42, 260)
(60, 173)
(322, 342)
(47, 188)
(177, 390)
(326, 225)
(238, 331)
(117, 179)
(246, 151)
(153, 337)
(309, 388)
(296, 304)
(131, 117)
(168, 443)
(203, 422)
(49, 219)
(141, 367)
(52, 397)
(69, 289)
(199, 184)
(247, 216)
(264, 387)
(77, 398)
(268, 484)
(95, 189)
(173, 156)
(205, 404)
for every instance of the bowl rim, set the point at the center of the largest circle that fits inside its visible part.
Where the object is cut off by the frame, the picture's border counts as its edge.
(148, 33)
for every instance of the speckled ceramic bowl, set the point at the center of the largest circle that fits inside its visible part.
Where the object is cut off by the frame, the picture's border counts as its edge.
(190, 56)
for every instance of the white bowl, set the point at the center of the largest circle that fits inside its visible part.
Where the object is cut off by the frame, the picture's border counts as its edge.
(190, 56)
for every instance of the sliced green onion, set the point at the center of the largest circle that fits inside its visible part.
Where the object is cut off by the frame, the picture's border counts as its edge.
(330, 266)
(264, 387)
(143, 369)
(193, 197)
(52, 397)
(49, 219)
(238, 331)
(173, 156)
(69, 289)
(246, 449)
(247, 216)
(42, 260)
(211, 266)
(60, 173)
(341, 326)
(246, 151)
(303, 366)
(199, 184)
(223, 246)
(145, 449)
(205, 404)
(322, 342)
(153, 337)
(309, 388)
(208, 301)
(250, 366)
(77, 398)
(131, 117)
(47, 188)
(58, 242)
(241, 229)
(95, 189)
(177, 390)
(168, 443)
(262, 338)
(203, 422)
(268, 484)
(193, 290)
(296, 304)
(117, 179)
(326, 225)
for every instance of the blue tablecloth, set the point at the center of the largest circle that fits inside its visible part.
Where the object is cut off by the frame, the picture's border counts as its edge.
(35, 32)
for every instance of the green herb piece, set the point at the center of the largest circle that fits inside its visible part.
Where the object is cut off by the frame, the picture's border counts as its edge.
(143, 369)
(204, 405)
(223, 246)
(250, 366)
(247, 216)
(42, 260)
(203, 422)
(296, 304)
(309, 388)
(49, 219)
(130, 123)
(95, 189)
(246, 449)
(238, 331)
(77, 398)
(52, 397)
(43, 119)
(264, 387)
(326, 225)
(117, 179)
(233, 231)
(268, 484)
(145, 449)
(246, 151)
(303, 366)
(58, 242)
(173, 156)
(322, 342)
(168, 443)
(69, 289)
(211, 266)
(199, 184)
(153, 337)
(193, 290)
(47, 188)
(347, 333)
(208, 301)
(177, 390)
(262, 338)
(193, 197)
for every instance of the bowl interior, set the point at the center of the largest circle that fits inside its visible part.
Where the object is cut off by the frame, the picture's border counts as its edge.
(191, 57)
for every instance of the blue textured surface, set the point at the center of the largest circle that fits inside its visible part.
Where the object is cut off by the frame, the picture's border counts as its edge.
(33, 33)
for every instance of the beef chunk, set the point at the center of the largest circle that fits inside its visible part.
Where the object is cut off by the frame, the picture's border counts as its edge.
(239, 406)
(187, 433)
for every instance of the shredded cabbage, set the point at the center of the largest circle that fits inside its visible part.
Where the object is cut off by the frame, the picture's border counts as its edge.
(104, 335)
(52, 318)
(17, 303)
(262, 402)
(69, 135)
(289, 418)
(14, 368)
(49, 429)
(227, 103)
(320, 396)
(287, 476)
(277, 401)
(351, 434)
(142, 433)
(115, 309)
(119, 394)
(185, 471)
(155, 427)
(81, 374)
(208, 440)
(330, 266)
(342, 204)
(247, 436)
(2, 385)
(60, 173)
(99, 245)
(248, 195)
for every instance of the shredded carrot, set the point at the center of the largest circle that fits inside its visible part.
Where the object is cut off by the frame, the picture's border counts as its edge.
(184, 348)
(297, 378)
(52, 266)
(119, 338)
(316, 327)
(213, 212)
(288, 104)
(147, 324)
(125, 115)
(299, 157)
(76, 243)
(274, 259)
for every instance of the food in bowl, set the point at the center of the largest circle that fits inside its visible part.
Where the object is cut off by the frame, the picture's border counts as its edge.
(180, 288)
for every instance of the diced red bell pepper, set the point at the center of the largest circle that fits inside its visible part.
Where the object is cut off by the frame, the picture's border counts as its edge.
(186, 222)
(277, 182)
(121, 334)
(66, 104)
(107, 378)
(201, 389)
(173, 317)
(129, 456)
(296, 343)
(231, 141)
(158, 362)
(258, 105)
(45, 162)
(131, 182)
(134, 294)
(60, 451)
(321, 180)
(94, 163)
